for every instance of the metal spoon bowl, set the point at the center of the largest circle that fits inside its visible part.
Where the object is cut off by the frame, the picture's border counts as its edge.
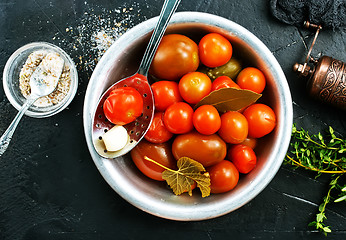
(139, 81)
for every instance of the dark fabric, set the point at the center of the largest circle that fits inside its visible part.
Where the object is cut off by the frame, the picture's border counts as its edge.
(330, 14)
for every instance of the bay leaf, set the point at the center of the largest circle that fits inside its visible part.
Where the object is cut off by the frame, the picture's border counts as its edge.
(229, 99)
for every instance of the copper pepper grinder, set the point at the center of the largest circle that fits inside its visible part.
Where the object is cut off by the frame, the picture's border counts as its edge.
(326, 80)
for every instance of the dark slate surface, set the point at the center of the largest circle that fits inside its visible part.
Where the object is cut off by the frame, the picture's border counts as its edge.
(49, 185)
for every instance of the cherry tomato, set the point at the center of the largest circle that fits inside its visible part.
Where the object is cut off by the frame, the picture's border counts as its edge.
(194, 86)
(205, 149)
(123, 105)
(243, 157)
(223, 82)
(250, 142)
(175, 56)
(224, 177)
(214, 50)
(251, 78)
(206, 119)
(261, 119)
(234, 127)
(165, 94)
(157, 132)
(178, 118)
(160, 152)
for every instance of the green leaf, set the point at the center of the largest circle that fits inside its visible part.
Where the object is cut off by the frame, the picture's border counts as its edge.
(320, 137)
(319, 225)
(294, 129)
(333, 182)
(320, 217)
(331, 131)
(321, 207)
(342, 150)
(229, 99)
(312, 224)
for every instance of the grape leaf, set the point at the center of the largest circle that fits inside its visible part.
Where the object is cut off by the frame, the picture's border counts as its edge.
(229, 99)
(189, 171)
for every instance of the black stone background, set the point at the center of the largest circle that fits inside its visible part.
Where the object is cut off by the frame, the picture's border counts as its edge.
(50, 187)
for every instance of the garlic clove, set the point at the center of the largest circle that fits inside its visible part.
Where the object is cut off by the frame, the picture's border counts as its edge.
(116, 138)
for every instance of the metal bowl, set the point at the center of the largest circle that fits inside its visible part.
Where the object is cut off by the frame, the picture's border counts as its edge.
(122, 59)
(11, 79)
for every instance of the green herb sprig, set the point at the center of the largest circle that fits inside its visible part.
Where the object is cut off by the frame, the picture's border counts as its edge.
(323, 154)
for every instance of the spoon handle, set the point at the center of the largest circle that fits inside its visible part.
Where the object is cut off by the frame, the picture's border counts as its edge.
(167, 11)
(7, 136)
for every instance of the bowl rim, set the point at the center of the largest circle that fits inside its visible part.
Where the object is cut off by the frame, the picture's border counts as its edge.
(33, 46)
(158, 208)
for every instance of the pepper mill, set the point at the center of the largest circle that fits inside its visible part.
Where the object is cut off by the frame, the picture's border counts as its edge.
(326, 80)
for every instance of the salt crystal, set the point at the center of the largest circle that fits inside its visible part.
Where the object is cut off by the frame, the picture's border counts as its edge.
(97, 32)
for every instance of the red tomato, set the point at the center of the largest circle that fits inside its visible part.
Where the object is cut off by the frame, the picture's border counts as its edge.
(234, 127)
(250, 142)
(205, 149)
(157, 132)
(224, 176)
(194, 86)
(175, 56)
(261, 119)
(243, 157)
(214, 50)
(165, 94)
(251, 78)
(223, 82)
(206, 119)
(178, 118)
(161, 153)
(123, 105)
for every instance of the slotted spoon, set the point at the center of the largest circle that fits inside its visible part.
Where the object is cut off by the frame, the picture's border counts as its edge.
(137, 129)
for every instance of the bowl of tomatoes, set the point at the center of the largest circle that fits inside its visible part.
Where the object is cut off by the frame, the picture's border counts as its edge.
(222, 121)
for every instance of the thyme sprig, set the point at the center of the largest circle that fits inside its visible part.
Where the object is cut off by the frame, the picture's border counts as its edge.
(323, 154)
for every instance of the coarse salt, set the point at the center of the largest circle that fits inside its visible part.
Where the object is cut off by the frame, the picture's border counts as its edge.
(96, 32)
(62, 89)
